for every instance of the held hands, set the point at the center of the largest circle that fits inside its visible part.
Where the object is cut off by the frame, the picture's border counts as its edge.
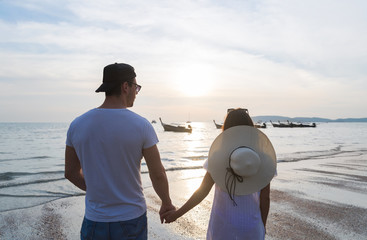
(165, 209)
(170, 216)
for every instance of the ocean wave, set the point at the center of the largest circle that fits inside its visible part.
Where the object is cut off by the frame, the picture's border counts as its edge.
(311, 155)
(167, 160)
(36, 195)
(5, 152)
(12, 175)
(332, 150)
(178, 168)
(9, 183)
(26, 158)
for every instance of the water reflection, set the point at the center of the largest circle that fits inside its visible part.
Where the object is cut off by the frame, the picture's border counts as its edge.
(193, 179)
(182, 150)
(196, 147)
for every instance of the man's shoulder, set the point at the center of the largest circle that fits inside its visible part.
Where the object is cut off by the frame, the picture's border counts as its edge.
(140, 122)
(83, 116)
(137, 116)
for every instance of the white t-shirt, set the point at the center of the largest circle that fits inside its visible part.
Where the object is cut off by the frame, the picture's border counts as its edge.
(235, 222)
(109, 144)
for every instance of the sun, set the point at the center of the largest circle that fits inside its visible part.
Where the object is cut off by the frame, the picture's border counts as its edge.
(195, 80)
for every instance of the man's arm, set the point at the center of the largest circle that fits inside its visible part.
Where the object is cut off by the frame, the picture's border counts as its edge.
(73, 170)
(158, 176)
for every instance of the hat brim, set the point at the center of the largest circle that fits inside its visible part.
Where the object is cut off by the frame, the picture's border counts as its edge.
(232, 138)
(106, 86)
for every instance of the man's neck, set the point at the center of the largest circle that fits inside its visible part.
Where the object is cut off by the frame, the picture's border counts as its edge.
(114, 102)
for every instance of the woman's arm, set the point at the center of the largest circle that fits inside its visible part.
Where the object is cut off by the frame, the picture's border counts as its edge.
(194, 200)
(265, 203)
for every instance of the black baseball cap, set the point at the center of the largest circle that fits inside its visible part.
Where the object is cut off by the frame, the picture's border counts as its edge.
(115, 74)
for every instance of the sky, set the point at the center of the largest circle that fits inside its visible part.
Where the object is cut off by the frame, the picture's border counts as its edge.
(194, 59)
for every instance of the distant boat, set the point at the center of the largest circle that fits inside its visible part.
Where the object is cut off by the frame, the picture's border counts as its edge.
(175, 128)
(154, 121)
(303, 125)
(292, 125)
(260, 125)
(279, 124)
(218, 126)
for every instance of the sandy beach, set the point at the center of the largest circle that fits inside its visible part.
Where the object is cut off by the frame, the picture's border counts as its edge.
(323, 198)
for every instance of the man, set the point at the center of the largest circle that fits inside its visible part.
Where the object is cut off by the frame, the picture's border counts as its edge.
(104, 148)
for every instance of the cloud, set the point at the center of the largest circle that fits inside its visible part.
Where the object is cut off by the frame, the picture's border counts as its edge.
(266, 49)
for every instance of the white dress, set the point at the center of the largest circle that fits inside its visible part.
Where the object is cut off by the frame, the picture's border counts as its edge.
(235, 222)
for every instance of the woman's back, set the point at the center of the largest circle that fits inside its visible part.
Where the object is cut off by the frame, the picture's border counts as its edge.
(235, 222)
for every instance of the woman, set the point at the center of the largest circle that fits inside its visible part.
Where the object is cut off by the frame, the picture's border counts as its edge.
(241, 164)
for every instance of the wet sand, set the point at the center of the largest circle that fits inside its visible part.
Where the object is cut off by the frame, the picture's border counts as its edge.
(324, 198)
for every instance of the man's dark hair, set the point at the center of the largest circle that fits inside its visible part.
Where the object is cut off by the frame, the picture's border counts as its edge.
(116, 91)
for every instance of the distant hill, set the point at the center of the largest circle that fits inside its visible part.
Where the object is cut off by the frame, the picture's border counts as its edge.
(305, 119)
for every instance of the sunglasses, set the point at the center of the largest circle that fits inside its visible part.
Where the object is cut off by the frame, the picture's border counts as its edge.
(137, 87)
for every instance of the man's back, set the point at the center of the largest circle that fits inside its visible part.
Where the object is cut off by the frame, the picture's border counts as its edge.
(109, 144)
(103, 153)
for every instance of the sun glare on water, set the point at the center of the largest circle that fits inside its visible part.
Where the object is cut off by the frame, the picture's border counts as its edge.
(195, 80)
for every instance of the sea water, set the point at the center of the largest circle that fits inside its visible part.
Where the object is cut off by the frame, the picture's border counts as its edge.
(32, 154)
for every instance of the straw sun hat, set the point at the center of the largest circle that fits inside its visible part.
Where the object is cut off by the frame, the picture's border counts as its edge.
(242, 160)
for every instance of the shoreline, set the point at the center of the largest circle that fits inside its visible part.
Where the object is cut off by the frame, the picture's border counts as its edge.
(324, 198)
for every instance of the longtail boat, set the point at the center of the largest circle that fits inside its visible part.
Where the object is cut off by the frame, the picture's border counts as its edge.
(175, 128)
